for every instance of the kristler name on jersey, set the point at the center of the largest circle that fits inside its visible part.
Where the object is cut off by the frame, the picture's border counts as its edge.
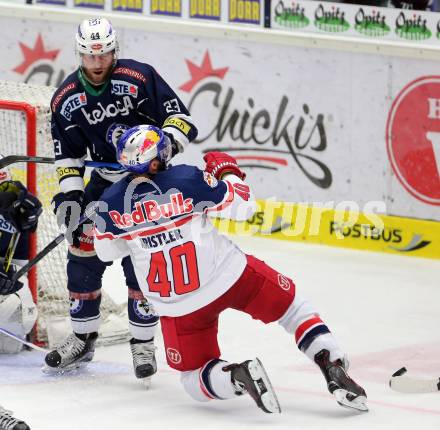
(161, 239)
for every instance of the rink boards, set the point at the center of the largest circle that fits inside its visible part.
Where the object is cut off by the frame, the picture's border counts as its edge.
(340, 228)
(368, 136)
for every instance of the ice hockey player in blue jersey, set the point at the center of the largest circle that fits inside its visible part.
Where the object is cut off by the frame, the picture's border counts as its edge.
(19, 212)
(91, 109)
(191, 273)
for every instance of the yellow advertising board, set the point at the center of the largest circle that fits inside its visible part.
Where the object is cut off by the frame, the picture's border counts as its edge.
(326, 226)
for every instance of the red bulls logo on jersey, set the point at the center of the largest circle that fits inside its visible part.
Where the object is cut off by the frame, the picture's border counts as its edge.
(150, 210)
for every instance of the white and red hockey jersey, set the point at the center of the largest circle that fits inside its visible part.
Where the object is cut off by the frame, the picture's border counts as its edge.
(181, 262)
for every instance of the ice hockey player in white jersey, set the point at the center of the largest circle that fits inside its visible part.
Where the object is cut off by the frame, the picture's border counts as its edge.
(190, 273)
(19, 212)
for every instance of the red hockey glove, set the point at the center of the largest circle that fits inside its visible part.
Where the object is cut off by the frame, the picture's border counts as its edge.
(220, 163)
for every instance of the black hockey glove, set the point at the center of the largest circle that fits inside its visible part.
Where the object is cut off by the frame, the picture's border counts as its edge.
(68, 208)
(7, 286)
(19, 206)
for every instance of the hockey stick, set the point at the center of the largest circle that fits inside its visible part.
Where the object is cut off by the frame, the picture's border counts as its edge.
(405, 384)
(11, 159)
(89, 215)
(11, 250)
(24, 342)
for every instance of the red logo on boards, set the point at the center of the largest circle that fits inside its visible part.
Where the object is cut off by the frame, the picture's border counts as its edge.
(413, 138)
(31, 55)
(200, 72)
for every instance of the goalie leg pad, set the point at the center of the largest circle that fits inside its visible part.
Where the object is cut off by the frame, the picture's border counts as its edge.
(10, 320)
(17, 315)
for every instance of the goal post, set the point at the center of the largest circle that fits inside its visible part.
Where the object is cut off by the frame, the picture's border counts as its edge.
(31, 182)
(25, 130)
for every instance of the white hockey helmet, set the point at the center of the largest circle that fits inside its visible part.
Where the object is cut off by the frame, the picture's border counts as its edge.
(5, 174)
(96, 36)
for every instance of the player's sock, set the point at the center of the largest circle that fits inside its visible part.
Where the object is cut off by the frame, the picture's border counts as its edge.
(75, 351)
(84, 311)
(144, 360)
(324, 341)
(143, 320)
(213, 382)
(345, 390)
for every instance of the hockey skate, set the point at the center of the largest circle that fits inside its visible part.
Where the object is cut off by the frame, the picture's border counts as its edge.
(75, 352)
(346, 391)
(144, 360)
(8, 422)
(251, 377)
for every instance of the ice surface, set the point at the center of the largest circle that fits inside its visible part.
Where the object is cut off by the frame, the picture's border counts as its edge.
(384, 310)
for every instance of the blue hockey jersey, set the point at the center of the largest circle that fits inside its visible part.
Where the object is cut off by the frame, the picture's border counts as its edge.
(21, 253)
(87, 119)
(7, 229)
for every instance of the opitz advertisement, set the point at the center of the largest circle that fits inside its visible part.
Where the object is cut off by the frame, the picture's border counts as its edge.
(367, 22)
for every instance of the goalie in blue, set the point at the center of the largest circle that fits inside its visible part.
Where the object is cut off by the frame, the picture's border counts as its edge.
(19, 212)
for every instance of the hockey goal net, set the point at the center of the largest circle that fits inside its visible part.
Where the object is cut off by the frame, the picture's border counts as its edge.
(25, 130)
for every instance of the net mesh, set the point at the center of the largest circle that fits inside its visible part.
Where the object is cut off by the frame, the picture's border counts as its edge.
(50, 286)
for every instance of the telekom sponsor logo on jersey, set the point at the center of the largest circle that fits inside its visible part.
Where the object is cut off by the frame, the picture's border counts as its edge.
(120, 107)
(150, 210)
(122, 88)
(74, 102)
